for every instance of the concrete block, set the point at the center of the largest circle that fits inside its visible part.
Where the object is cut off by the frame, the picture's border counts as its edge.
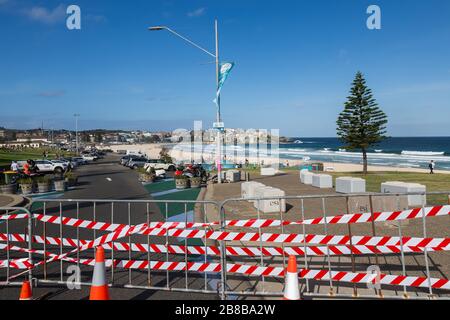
(247, 189)
(306, 177)
(273, 204)
(233, 175)
(268, 171)
(403, 187)
(322, 181)
(350, 185)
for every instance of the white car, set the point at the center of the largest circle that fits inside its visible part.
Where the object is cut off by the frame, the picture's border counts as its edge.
(51, 166)
(88, 157)
(159, 165)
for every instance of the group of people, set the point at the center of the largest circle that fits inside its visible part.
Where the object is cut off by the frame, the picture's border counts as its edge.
(29, 168)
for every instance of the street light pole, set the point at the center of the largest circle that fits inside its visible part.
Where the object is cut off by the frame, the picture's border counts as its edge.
(219, 135)
(217, 62)
(76, 115)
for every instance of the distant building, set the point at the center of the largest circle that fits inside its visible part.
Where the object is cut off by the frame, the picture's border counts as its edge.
(25, 144)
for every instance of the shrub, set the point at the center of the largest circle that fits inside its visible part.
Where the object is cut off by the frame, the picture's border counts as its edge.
(44, 179)
(25, 181)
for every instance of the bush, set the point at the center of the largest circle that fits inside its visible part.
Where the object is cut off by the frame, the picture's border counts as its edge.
(25, 181)
(44, 179)
(141, 170)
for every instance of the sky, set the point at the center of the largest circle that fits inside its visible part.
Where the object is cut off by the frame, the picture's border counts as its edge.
(295, 61)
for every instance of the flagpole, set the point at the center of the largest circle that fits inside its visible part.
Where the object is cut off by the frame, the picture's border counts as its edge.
(218, 118)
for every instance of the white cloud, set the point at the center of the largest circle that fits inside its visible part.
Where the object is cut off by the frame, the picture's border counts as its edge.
(197, 13)
(44, 15)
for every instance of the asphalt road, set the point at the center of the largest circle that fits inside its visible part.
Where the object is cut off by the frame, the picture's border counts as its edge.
(106, 180)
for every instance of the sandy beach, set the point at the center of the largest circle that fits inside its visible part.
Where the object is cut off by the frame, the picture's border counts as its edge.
(153, 150)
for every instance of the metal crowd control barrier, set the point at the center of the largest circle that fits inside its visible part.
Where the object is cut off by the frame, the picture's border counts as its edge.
(229, 249)
(6, 227)
(268, 254)
(54, 235)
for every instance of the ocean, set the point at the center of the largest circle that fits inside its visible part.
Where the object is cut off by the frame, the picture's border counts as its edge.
(412, 152)
(407, 152)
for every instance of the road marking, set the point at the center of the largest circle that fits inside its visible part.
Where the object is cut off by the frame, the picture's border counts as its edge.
(163, 193)
(109, 179)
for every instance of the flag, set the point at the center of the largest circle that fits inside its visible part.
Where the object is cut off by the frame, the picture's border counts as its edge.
(224, 71)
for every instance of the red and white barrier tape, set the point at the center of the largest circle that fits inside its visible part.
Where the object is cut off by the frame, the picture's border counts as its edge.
(299, 238)
(231, 251)
(252, 223)
(321, 275)
(266, 237)
(13, 216)
(16, 264)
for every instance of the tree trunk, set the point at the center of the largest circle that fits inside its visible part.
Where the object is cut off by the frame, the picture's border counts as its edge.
(364, 152)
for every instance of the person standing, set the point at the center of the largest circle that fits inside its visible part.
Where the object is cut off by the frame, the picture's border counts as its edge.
(432, 165)
(14, 166)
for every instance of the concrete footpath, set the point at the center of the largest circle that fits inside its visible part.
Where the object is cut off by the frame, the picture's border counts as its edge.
(439, 262)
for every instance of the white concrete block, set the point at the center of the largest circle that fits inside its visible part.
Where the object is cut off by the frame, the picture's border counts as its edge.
(350, 185)
(322, 181)
(233, 175)
(403, 187)
(306, 177)
(247, 189)
(268, 171)
(273, 204)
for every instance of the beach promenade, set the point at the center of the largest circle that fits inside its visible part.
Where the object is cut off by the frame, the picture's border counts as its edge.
(314, 208)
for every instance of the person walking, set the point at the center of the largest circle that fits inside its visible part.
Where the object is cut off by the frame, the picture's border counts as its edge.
(432, 165)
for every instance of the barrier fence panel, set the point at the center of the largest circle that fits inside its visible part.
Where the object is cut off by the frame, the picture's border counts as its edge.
(361, 245)
(66, 232)
(15, 258)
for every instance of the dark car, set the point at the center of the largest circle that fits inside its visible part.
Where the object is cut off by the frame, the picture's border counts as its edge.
(125, 159)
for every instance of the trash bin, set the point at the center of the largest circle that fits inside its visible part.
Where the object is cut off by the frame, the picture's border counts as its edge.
(317, 166)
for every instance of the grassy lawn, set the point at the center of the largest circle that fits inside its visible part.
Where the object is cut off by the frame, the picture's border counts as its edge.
(436, 182)
(18, 155)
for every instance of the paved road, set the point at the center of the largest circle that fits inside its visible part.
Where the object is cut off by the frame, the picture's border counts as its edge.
(107, 180)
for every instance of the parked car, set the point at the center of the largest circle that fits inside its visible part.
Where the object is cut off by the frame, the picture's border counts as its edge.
(47, 166)
(89, 157)
(78, 160)
(136, 162)
(68, 163)
(159, 165)
(124, 160)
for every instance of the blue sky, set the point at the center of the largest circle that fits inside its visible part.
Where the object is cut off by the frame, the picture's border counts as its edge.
(295, 61)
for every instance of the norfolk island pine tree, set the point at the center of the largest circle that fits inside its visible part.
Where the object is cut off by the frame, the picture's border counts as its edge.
(362, 123)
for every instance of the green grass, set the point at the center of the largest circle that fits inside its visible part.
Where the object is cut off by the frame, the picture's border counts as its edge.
(6, 156)
(436, 182)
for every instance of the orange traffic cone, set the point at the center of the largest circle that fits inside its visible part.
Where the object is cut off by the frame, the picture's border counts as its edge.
(25, 292)
(291, 288)
(99, 287)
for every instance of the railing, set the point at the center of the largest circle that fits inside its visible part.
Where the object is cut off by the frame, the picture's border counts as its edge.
(232, 249)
